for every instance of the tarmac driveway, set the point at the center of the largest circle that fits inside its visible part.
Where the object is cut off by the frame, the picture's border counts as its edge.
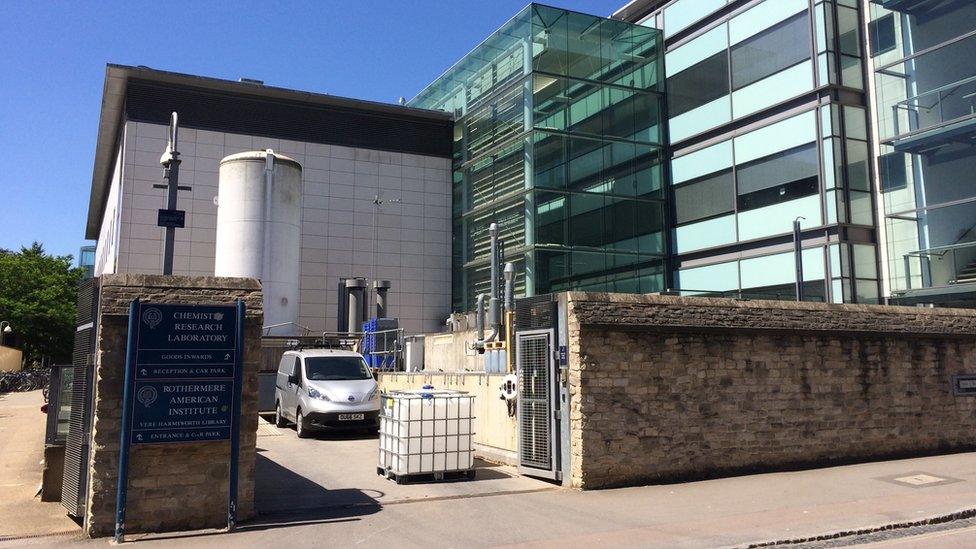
(338, 471)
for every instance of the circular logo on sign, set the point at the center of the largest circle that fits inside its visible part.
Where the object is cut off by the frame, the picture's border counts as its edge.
(152, 317)
(147, 395)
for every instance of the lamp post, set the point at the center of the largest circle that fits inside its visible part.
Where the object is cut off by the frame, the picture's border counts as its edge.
(4, 330)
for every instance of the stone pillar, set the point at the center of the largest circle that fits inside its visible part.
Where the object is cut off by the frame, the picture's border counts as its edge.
(178, 486)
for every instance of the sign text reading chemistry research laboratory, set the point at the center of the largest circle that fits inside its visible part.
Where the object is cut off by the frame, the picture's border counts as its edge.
(184, 373)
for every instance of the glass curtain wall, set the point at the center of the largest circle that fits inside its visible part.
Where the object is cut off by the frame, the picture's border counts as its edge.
(750, 187)
(558, 139)
(925, 96)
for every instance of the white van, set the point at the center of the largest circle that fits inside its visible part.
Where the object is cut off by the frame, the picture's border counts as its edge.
(319, 389)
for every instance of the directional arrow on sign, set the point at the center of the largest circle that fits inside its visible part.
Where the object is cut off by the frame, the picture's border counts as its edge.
(143, 371)
(227, 356)
(138, 437)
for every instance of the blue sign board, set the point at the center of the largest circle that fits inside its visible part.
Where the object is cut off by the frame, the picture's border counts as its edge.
(183, 373)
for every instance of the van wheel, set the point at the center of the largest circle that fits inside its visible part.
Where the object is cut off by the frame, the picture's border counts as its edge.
(300, 426)
(279, 419)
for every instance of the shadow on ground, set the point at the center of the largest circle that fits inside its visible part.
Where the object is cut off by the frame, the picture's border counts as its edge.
(281, 492)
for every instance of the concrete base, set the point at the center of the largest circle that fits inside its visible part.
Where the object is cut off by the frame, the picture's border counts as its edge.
(52, 475)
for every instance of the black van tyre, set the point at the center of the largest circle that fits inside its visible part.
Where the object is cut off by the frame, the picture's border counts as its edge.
(280, 420)
(300, 429)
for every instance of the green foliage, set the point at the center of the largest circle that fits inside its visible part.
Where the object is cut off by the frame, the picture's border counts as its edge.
(37, 296)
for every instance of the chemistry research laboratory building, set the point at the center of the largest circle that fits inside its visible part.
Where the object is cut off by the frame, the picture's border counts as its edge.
(667, 147)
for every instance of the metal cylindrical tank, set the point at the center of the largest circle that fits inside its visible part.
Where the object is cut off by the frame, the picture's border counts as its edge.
(259, 217)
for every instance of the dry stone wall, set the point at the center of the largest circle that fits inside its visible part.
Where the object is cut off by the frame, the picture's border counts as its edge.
(666, 388)
(171, 486)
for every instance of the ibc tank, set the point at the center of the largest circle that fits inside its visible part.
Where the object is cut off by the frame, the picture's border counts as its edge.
(259, 213)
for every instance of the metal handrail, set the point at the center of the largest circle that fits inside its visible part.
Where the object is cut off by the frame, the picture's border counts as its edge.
(905, 105)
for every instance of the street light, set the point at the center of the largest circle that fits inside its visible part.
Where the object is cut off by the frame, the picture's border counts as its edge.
(5, 330)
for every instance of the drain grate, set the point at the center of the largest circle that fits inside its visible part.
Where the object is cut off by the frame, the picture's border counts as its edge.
(918, 479)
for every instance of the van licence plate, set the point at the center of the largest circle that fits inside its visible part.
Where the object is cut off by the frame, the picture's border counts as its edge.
(351, 417)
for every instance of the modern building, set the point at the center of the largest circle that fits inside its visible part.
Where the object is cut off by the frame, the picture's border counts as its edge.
(559, 139)
(923, 77)
(86, 260)
(767, 117)
(669, 147)
(376, 190)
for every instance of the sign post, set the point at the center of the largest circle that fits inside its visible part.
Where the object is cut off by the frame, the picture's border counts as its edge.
(183, 381)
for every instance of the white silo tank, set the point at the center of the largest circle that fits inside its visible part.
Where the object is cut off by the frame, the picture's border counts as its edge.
(259, 217)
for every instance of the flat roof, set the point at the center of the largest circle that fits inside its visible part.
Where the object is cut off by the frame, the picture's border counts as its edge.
(119, 79)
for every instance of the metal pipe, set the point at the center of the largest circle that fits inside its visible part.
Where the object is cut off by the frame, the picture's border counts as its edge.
(798, 255)
(269, 159)
(381, 287)
(494, 316)
(479, 322)
(509, 273)
(357, 290)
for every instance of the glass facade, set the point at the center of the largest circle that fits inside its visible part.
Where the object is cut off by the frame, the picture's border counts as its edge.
(757, 144)
(559, 139)
(925, 98)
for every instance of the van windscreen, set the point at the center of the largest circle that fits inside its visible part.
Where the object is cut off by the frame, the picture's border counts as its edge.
(335, 368)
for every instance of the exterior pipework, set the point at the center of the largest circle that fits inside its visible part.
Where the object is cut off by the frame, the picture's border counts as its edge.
(357, 299)
(382, 288)
(258, 235)
(479, 323)
(509, 287)
(494, 313)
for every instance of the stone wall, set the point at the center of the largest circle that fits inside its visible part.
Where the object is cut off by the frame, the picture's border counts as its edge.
(666, 388)
(171, 486)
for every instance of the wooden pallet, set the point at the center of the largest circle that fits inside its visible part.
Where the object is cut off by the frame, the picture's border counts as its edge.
(444, 476)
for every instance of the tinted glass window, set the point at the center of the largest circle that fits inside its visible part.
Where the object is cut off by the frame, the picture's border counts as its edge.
(882, 35)
(336, 368)
(699, 84)
(783, 176)
(776, 48)
(707, 197)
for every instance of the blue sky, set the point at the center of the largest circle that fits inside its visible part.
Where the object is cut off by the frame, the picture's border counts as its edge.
(55, 53)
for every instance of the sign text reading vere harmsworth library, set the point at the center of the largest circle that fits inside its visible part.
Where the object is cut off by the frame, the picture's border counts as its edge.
(183, 379)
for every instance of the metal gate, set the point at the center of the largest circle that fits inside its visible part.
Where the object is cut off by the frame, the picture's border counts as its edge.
(537, 430)
(74, 488)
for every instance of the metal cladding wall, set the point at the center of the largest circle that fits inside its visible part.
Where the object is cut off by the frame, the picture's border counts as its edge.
(259, 218)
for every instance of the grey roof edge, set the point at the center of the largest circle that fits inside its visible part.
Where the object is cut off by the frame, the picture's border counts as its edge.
(113, 100)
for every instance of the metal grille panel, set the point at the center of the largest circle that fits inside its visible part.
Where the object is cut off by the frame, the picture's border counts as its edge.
(535, 431)
(535, 312)
(74, 486)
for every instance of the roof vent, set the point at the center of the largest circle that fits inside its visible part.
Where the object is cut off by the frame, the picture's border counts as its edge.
(253, 81)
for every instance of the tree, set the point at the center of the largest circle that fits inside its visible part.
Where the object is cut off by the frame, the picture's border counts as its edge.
(37, 296)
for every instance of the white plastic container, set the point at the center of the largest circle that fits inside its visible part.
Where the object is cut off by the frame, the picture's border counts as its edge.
(426, 432)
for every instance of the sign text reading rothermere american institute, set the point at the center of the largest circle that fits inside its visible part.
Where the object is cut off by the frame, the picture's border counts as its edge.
(184, 373)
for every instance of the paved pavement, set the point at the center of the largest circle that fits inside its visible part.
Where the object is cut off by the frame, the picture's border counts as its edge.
(22, 427)
(340, 470)
(325, 491)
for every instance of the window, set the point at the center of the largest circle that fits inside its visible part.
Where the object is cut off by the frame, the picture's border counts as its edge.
(882, 35)
(708, 197)
(336, 368)
(778, 178)
(777, 48)
(698, 85)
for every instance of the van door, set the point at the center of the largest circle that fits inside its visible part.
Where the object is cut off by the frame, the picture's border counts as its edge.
(281, 383)
(294, 385)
